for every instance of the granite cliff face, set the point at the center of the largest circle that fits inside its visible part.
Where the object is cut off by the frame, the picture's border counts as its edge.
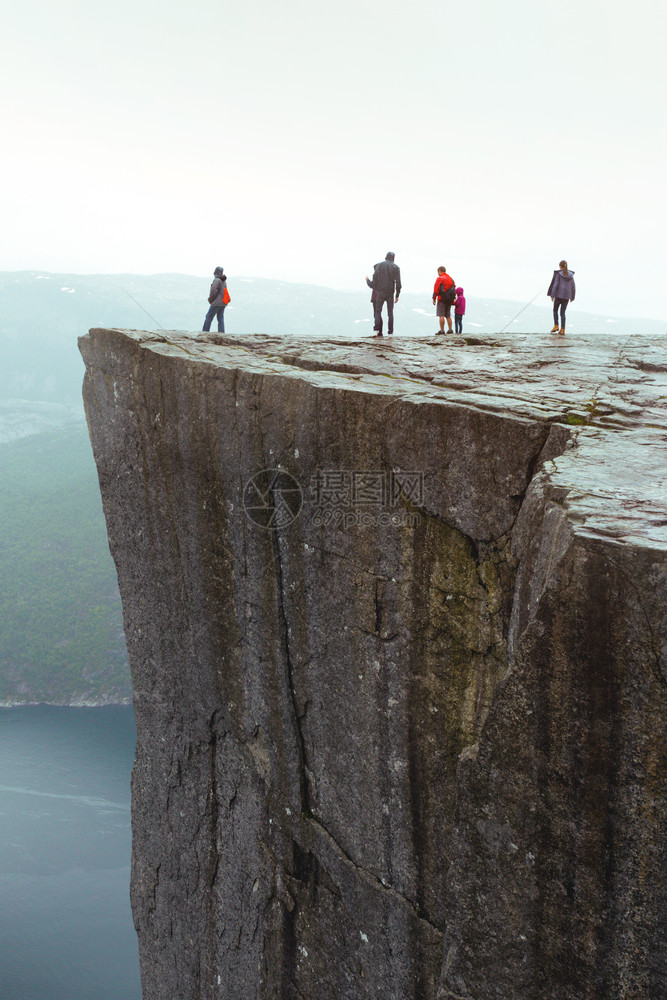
(401, 698)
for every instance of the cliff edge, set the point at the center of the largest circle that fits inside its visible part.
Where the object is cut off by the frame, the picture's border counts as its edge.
(395, 613)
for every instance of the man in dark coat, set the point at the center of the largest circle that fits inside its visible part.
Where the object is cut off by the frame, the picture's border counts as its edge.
(387, 287)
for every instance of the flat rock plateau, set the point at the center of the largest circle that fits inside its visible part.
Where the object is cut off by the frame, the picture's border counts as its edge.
(396, 617)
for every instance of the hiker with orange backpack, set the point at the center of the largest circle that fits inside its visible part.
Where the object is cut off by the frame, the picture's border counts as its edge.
(444, 291)
(218, 298)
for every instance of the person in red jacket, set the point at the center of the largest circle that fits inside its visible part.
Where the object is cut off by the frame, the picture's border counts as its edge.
(444, 291)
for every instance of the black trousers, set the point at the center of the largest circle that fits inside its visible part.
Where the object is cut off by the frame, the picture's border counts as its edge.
(380, 300)
(562, 305)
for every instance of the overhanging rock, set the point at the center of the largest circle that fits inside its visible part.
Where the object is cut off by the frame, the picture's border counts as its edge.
(396, 619)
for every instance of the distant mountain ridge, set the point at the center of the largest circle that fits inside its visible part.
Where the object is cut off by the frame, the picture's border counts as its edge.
(42, 314)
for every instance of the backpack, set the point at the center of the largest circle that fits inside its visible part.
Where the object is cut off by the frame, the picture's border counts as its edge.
(226, 297)
(447, 295)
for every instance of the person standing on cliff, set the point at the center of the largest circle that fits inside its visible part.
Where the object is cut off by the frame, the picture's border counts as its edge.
(459, 310)
(444, 292)
(561, 291)
(386, 284)
(218, 298)
(373, 296)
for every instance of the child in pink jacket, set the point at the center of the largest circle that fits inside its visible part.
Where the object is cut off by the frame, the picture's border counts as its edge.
(459, 310)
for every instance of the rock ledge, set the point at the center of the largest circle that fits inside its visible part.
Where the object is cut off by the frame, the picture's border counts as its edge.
(395, 612)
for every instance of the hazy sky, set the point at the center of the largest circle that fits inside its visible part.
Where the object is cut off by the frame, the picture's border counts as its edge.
(301, 141)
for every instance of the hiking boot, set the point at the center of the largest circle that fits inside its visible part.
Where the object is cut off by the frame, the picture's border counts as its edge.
(562, 331)
(554, 329)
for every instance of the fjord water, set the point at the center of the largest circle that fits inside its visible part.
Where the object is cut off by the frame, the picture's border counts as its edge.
(66, 931)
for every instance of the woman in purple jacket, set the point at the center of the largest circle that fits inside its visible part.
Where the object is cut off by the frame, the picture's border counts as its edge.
(561, 291)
